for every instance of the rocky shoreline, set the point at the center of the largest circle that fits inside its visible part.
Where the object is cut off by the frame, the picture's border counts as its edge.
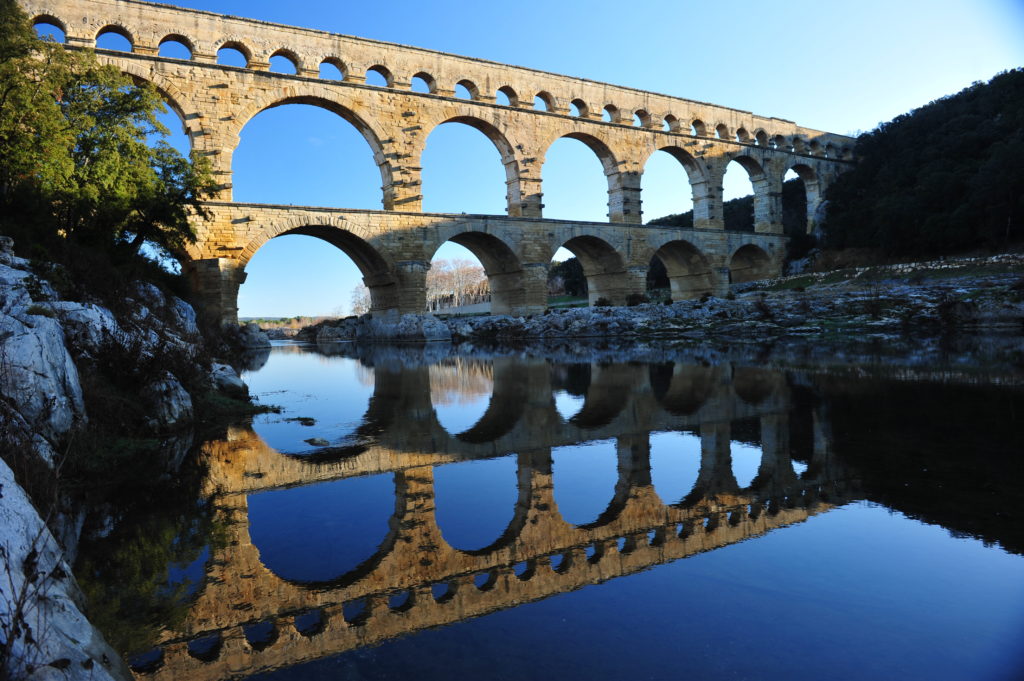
(827, 307)
(50, 350)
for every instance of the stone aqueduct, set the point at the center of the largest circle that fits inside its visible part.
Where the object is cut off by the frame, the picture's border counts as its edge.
(248, 619)
(393, 247)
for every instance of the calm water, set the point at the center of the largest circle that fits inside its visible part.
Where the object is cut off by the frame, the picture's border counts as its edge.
(518, 517)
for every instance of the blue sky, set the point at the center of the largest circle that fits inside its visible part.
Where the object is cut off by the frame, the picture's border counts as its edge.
(840, 66)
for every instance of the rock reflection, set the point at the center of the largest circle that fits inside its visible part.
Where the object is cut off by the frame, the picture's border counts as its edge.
(250, 617)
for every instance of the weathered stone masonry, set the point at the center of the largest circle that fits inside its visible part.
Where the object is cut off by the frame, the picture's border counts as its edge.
(393, 247)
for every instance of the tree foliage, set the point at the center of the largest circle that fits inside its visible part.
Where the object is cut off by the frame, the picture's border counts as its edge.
(79, 166)
(943, 178)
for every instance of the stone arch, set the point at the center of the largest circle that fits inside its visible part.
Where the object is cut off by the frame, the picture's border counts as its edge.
(698, 128)
(505, 150)
(689, 271)
(761, 137)
(603, 266)
(812, 189)
(670, 123)
(513, 98)
(291, 56)
(501, 265)
(179, 38)
(428, 79)
(234, 44)
(742, 135)
(722, 131)
(596, 145)
(614, 115)
(471, 88)
(46, 18)
(548, 99)
(323, 98)
(754, 385)
(378, 272)
(642, 118)
(682, 389)
(749, 263)
(583, 111)
(698, 179)
(384, 72)
(761, 184)
(117, 29)
(337, 63)
(520, 514)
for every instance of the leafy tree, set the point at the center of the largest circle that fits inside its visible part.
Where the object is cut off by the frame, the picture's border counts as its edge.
(77, 166)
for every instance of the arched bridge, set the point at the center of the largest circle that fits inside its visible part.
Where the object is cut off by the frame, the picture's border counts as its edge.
(393, 247)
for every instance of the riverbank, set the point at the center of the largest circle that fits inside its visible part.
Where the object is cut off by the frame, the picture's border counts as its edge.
(978, 295)
(96, 397)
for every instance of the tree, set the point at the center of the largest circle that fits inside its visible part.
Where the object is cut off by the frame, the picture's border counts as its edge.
(76, 162)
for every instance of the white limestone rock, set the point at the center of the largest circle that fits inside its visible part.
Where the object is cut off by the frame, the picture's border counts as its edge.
(169, 404)
(407, 327)
(252, 336)
(225, 379)
(38, 376)
(62, 636)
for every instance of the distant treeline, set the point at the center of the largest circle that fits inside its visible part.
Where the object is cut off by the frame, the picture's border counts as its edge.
(944, 178)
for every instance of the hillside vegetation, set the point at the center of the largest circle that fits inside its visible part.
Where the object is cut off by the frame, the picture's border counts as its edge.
(945, 178)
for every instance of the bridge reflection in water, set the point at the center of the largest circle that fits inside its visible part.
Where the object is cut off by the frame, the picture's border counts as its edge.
(247, 619)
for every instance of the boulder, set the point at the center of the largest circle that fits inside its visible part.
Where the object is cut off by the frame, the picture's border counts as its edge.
(226, 380)
(251, 336)
(168, 403)
(407, 327)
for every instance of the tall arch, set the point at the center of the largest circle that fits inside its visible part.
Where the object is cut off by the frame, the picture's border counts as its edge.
(812, 192)
(764, 215)
(696, 184)
(512, 190)
(563, 186)
(321, 101)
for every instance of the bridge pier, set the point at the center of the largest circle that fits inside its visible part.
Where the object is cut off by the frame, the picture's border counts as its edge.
(215, 282)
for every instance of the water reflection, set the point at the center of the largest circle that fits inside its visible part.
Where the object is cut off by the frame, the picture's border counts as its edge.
(439, 516)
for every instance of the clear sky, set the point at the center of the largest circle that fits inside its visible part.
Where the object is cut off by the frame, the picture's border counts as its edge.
(837, 65)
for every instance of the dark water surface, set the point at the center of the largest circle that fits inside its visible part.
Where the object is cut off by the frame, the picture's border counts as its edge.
(515, 516)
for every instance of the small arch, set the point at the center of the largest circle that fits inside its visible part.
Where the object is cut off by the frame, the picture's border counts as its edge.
(846, 152)
(815, 148)
(332, 68)
(830, 150)
(689, 272)
(506, 96)
(799, 144)
(761, 138)
(779, 142)
(579, 108)
(543, 101)
(284, 61)
(205, 648)
(379, 76)
(641, 119)
(467, 89)
(742, 135)
(176, 46)
(423, 82)
(610, 113)
(106, 40)
(698, 128)
(234, 53)
(50, 27)
(749, 263)
(722, 131)
(670, 123)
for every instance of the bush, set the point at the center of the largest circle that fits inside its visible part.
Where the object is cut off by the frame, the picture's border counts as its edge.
(634, 299)
(602, 302)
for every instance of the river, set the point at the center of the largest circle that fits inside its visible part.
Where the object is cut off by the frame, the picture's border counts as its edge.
(572, 514)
